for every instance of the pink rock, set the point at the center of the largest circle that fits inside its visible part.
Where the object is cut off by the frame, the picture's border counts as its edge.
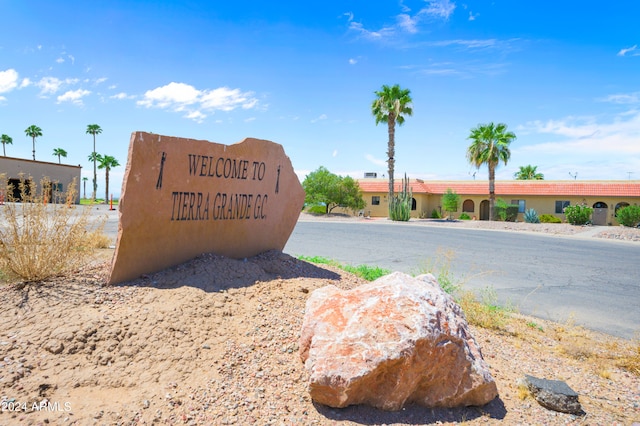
(394, 341)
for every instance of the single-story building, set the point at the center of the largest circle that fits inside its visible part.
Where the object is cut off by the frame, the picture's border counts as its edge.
(61, 177)
(545, 197)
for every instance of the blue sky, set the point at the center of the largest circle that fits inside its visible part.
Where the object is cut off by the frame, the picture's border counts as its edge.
(564, 76)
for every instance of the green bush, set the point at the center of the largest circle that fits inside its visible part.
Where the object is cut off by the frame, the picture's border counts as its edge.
(464, 216)
(629, 216)
(435, 214)
(578, 215)
(317, 209)
(506, 212)
(531, 216)
(549, 218)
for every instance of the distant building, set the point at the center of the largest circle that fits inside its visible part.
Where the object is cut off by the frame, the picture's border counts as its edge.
(60, 176)
(546, 197)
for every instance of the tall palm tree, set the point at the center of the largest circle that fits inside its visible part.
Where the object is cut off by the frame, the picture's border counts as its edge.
(94, 129)
(6, 140)
(107, 162)
(60, 153)
(390, 106)
(528, 172)
(490, 145)
(84, 184)
(33, 132)
(95, 157)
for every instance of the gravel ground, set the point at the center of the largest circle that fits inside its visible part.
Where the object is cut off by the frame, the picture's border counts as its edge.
(588, 231)
(215, 341)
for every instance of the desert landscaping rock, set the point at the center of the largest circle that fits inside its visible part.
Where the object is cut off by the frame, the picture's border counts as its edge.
(554, 394)
(394, 341)
(184, 197)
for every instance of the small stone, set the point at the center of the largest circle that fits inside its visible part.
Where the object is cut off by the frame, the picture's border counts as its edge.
(555, 395)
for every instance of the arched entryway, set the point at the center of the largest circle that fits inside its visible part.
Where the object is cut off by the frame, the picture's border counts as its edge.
(484, 210)
(600, 213)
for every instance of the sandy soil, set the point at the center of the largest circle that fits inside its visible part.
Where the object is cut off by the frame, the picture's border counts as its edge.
(215, 341)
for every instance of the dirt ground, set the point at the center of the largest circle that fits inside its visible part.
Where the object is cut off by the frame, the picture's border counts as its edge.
(215, 341)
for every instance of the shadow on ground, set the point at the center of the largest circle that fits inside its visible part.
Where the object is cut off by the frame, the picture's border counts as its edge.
(413, 414)
(212, 273)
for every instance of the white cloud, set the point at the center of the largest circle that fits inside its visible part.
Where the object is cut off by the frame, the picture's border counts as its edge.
(321, 117)
(631, 50)
(60, 60)
(623, 98)
(249, 120)
(588, 136)
(25, 83)
(335, 153)
(49, 85)
(375, 160)
(73, 96)
(196, 116)
(405, 22)
(184, 97)
(121, 95)
(439, 8)
(101, 80)
(8, 80)
(408, 23)
(473, 17)
(352, 61)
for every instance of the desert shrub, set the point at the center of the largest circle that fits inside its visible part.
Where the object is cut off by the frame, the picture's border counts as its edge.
(506, 212)
(317, 209)
(483, 310)
(549, 218)
(629, 216)
(531, 216)
(40, 240)
(578, 214)
(435, 214)
(464, 216)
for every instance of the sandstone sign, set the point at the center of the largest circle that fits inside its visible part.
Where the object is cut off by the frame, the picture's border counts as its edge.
(184, 197)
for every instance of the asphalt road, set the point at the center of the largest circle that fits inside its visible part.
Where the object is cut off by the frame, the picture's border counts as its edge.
(592, 282)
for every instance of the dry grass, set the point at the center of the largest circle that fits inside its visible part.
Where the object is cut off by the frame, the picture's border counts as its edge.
(39, 240)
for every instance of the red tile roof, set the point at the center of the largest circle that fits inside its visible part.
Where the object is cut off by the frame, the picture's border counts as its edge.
(624, 188)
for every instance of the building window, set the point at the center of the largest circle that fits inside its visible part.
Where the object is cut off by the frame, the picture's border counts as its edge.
(468, 206)
(560, 205)
(414, 204)
(521, 205)
(375, 200)
(619, 206)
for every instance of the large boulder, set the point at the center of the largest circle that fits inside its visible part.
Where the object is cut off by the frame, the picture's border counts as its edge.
(394, 341)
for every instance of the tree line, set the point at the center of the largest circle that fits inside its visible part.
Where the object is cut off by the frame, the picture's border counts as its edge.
(106, 162)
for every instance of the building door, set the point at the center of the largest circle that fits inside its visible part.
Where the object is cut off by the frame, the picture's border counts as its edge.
(484, 210)
(600, 212)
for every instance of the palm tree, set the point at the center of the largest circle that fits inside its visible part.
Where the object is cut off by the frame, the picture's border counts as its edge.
(95, 157)
(84, 183)
(94, 129)
(107, 162)
(490, 146)
(33, 132)
(6, 140)
(390, 106)
(528, 172)
(60, 153)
